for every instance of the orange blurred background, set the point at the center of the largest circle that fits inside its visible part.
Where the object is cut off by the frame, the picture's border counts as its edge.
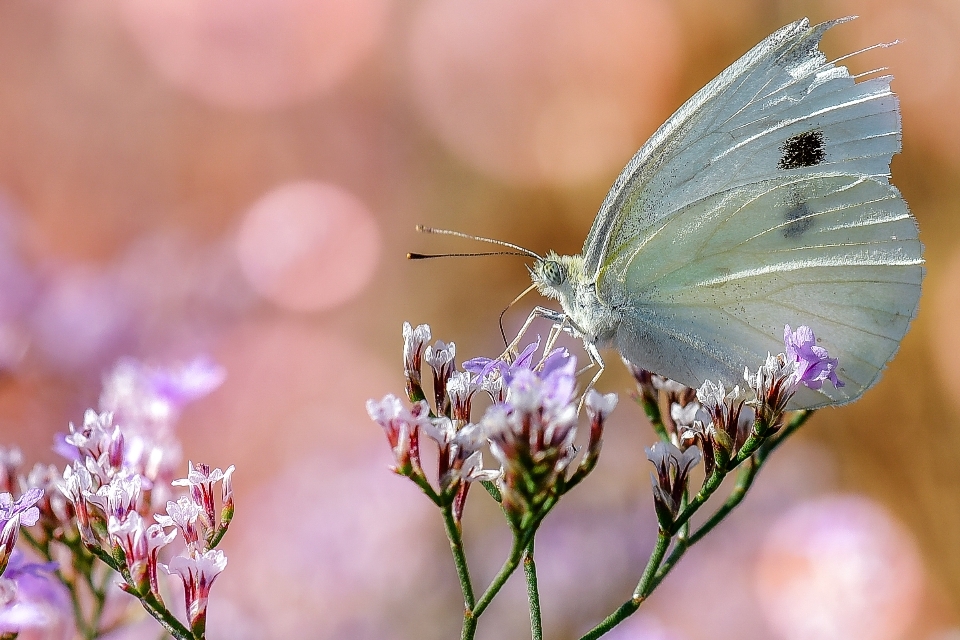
(242, 179)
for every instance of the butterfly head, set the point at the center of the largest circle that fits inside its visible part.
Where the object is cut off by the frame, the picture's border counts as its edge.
(557, 276)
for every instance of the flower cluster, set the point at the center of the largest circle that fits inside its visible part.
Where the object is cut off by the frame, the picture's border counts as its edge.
(530, 424)
(725, 426)
(108, 502)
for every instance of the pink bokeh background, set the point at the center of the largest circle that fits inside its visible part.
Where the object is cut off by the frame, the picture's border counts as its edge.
(241, 179)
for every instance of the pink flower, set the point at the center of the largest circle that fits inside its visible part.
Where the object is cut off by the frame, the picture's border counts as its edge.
(200, 480)
(197, 573)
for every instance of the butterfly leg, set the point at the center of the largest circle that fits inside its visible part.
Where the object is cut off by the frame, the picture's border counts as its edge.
(556, 317)
(595, 360)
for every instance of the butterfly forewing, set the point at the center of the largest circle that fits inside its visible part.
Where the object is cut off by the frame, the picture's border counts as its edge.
(782, 107)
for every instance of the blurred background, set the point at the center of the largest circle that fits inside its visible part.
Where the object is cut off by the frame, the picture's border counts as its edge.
(241, 179)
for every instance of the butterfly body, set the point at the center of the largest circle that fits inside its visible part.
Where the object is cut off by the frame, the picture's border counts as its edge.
(763, 201)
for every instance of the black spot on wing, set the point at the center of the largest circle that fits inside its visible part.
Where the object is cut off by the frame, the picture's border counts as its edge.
(798, 219)
(802, 150)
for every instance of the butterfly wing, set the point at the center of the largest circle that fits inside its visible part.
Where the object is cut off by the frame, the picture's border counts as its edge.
(733, 131)
(764, 201)
(710, 289)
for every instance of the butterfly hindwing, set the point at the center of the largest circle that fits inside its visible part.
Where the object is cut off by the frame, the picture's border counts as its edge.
(710, 288)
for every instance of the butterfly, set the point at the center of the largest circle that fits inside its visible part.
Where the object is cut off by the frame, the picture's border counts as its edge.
(764, 201)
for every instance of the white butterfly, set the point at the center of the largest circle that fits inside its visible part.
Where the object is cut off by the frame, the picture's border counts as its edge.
(763, 201)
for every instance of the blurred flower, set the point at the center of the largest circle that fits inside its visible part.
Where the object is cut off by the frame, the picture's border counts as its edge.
(838, 567)
(30, 598)
(11, 460)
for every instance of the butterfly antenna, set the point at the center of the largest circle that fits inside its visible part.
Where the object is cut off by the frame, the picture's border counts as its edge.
(503, 334)
(427, 256)
(448, 232)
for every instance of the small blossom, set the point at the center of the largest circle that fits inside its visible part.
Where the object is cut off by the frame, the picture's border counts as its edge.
(198, 574)
(95, 436)
(683, 416)
(156, 538)
(13, 514)
(402, 428)
(414, 342)
(120, 497)
(440, 357)
(183, 515)
(671, 478)
(77, 484)
(813, 363)
(599, 407)
(724, 409)
(200, 480)
(460, 388)
(130, 535)
(24, 506)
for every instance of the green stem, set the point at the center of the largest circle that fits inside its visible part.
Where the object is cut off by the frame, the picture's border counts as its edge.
(744, 480)
(533, 593)
(425, 486)
(644, 587)
(797, 421)
(509, 566)
(755, 453)
(459, 557)
(166, 619)
(709, 487)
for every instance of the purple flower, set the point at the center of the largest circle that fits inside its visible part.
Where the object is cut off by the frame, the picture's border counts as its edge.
(13, 514)
(30, 598)
(482, 367)
(183, 384)
(814, 364)
(532, 435)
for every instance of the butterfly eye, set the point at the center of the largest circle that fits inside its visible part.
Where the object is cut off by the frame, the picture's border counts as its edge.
(553, 273)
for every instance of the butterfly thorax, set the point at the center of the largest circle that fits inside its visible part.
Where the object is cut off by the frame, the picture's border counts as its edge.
(564, 278)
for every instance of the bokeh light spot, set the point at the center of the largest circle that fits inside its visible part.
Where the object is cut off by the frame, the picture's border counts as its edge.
(255, 54)
(836, 568)
(308, 246)
(544, 91)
